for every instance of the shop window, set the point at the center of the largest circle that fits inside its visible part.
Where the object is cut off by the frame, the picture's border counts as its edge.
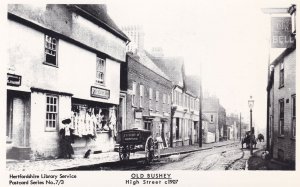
(141, 96)
(51, 112)
(133, 95)
(281, 75)
(294, 115)
(281, 117)
(157, 101)
(150, 98)
(51, 50)
(100, 70)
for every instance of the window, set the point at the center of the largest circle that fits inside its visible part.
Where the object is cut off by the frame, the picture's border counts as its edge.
(148, 125)
(211, 118)
(157, 100)
(281, 76)
(141, 95)
(100, 70)
(169, 102)
(175, 97)
(281, 117)
(180, 99)
(177, 129)
(293, 115)
(164, 102)
(51, 112)
(133, 93)
(150, 98)
(51, 50)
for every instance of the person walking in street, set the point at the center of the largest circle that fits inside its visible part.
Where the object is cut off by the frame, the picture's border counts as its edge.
(66, 138)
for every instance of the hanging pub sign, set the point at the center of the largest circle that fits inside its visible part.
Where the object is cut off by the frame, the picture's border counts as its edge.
(13, 80)
(100, 93)
(281, 32)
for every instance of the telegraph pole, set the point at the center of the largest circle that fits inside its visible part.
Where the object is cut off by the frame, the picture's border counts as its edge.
(240, 126)
(200, 108)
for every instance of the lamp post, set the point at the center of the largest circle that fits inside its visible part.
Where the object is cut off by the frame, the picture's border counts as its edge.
(251, 104)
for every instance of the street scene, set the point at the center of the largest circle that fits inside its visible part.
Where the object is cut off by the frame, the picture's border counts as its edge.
(133, 86)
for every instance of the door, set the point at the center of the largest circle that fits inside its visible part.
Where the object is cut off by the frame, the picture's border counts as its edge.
(17, 131)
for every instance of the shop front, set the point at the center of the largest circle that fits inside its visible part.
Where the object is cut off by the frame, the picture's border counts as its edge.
(94, 124)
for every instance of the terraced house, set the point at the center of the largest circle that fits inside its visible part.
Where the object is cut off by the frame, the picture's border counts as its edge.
(64, 62)
(185, 99)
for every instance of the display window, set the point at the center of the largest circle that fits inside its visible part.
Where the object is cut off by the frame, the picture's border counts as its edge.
(91, 118)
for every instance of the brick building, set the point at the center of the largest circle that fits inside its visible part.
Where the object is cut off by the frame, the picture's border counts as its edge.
(64, 62)
(282, 107)
(185, 99)
(148, 103)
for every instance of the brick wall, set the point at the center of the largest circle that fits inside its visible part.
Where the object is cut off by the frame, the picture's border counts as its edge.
(141, 75)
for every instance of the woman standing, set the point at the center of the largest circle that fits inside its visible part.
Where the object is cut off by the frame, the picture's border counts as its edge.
(66, 138)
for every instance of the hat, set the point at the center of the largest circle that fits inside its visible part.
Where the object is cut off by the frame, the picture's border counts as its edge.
(66, 121)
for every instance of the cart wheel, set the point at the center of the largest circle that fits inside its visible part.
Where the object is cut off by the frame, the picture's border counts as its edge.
(124, 152)
(149, 150)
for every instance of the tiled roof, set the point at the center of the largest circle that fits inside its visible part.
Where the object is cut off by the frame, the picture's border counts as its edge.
(147, 62)
(99, 12)
(192, 84)
(172, 66)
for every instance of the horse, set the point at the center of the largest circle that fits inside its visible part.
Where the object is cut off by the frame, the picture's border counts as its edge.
(260, 137)
(247, 141)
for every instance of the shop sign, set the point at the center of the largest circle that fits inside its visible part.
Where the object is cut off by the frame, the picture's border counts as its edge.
(13, 80)
(281, 34)
(100, 92)
(138, 114)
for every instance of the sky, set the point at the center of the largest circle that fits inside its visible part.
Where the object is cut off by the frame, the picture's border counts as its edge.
(227, 42)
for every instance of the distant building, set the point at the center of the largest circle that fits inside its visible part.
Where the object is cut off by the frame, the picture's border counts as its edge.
(216, 115)
(232, 126)
(136, 35)
(64, 62)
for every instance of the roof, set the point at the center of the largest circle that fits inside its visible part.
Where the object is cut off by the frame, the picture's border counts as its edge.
(98, 12)
(282, 55)
(192, 83)
(172, 66)
(210, 104)
(147, 62)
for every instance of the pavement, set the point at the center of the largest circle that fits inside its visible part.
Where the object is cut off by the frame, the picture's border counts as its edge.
(257, 162)
(78, 160)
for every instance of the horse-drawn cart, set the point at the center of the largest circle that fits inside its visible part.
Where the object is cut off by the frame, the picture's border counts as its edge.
(134, 140)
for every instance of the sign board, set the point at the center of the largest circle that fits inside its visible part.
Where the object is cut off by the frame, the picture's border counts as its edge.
(138, 115)
(100, 92)
(13, 80)
(281, 32)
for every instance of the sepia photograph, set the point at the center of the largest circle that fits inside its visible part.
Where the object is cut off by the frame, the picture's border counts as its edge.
(149, 88)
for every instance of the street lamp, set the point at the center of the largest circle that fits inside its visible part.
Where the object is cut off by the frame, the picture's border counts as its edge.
(251, 104)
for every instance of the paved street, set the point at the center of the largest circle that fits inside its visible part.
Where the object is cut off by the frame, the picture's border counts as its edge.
(229, 157)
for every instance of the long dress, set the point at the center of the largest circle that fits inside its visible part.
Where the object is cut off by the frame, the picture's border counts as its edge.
(65, 142)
